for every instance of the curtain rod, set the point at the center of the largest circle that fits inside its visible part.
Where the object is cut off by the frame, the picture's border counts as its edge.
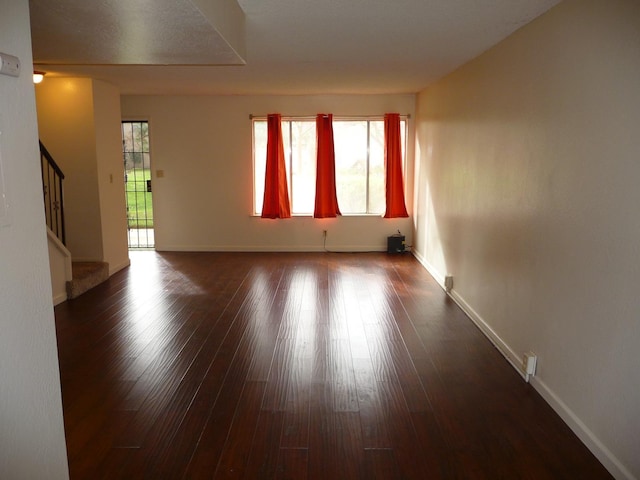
(312, 117)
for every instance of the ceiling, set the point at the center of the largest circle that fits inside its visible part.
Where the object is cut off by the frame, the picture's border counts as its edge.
(291, 47)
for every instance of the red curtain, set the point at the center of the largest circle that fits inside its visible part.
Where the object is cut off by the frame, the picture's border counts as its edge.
(394, 184)
(276, 192)
(326, 198)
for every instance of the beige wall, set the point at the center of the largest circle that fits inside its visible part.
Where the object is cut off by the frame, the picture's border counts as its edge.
(32, 443)
(110, 170)
(67, 128)
(79, 123)
(528, 166)
(204, 200)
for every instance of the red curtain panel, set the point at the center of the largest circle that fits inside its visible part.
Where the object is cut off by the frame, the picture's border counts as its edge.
(276, 192)
(326, 204)
(394, 183)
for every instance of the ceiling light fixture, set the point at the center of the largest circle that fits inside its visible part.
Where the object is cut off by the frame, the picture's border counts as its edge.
(38, 76)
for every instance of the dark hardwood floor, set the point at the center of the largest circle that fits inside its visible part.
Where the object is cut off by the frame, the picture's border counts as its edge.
(300, 366)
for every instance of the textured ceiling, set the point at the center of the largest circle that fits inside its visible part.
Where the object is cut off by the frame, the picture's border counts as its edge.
(291, 46)
(129, 32)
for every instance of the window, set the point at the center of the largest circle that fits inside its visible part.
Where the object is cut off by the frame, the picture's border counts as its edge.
(359, 151)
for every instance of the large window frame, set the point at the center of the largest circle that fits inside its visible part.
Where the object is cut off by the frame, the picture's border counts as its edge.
(363, 162)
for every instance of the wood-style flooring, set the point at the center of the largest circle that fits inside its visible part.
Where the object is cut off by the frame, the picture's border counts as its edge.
(298, 366)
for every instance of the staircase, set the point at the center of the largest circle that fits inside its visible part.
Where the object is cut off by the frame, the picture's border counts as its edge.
(85, 276)
(69, 279)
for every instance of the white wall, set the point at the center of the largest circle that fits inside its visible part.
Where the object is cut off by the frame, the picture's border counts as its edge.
(204, 200)
(528, 164)
(32, 443)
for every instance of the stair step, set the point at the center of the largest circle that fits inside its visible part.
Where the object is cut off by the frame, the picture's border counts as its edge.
(86, 275)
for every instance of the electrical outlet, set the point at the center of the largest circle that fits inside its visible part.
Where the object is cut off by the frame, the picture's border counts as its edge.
(448, 283)
(529, 361)
(324, 233)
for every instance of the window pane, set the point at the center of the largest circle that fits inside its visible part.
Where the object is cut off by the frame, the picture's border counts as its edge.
(403, 141)
(376, 168)
(259, 162)
(303, 166)
(350, 141)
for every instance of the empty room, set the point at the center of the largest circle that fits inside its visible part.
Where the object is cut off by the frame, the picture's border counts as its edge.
(294, 239)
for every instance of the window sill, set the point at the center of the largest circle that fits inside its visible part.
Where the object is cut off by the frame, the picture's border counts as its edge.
(308, 215)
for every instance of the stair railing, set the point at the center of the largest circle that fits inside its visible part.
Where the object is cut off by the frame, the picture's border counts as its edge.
(52, 178)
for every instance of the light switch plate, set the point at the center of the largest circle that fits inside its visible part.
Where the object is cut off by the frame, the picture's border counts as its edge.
(9, 65)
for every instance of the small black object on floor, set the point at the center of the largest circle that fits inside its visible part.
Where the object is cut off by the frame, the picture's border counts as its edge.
(395, 243)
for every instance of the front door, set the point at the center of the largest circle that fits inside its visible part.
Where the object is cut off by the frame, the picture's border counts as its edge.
(138, 186)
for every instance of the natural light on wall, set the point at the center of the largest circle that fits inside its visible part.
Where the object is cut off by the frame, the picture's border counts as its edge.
(359, 155)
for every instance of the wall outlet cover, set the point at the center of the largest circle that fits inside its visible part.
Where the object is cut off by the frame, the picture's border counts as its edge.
(529, 362)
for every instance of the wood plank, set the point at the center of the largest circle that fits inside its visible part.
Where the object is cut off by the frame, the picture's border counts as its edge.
(292, 464)
(237, 448)
(265, 449)
(295, 365)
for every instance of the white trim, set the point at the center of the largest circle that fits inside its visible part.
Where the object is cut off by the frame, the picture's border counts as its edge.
(58, 290)
(58, 299)
(119, 267)
(484, 327)
(270, 248)
(601, 452)
(430, 268)
(68, 274)
(506, 351)
(595, 446)
(310, 215)
(87, 259)
(336, 117)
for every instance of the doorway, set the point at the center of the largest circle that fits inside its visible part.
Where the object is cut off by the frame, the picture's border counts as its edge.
(137, 181)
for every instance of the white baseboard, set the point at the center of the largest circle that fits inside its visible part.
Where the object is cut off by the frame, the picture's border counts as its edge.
(506, 351)
(437, 276)
(269, 248)
(599, 450)
(120, 266)
(57, 299)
